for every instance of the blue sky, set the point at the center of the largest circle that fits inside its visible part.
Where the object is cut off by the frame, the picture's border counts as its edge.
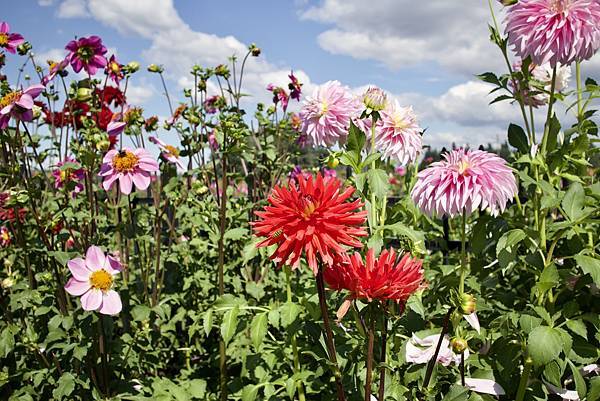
(424, 53)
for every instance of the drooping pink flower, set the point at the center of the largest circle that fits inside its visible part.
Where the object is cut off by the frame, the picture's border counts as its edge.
(399, 135)
(129, 167)
(464, 181)
(400, 170)
(54, 69)
(295, 87)
(297, 172)
(485, 386)
(18, 104)
(114, 69)
(9, 41)
(422, 350)
(212, 141)
(554, 31)
(92, 279)
(5, 238)
(326, 114)
(87, 53)
(114, 128)
(64, 176)
(279, 95)
(210, 104)
(169, 152)
(536, 93)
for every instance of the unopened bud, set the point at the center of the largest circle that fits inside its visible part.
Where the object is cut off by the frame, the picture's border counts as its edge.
(23, 48)
(254, 50)
(459, 345)
(332, 162)
(84, 94)
(155, 68)
(468, 304)
(133, 66)
(375, 98)
(507, 3)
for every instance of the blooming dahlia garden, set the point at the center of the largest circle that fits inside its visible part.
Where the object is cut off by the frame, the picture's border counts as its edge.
(323, 254)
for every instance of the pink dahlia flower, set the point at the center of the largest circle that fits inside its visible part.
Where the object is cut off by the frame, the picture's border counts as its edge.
(294, 86)
(170, 153)
(129, 167)
(212, 141)
(554, 31)
(464, 181)
(114, 69)
(398, 136)
(536, 93)
(93, 279)
(279, 95)
(64, 176)
(9, 41)
(87, 53)
(18, 104)
(5, 238)
(422, 350)
(326, 114)
(54, 69)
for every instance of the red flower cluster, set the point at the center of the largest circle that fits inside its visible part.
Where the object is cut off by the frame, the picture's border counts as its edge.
(7, 212)
(311, 218)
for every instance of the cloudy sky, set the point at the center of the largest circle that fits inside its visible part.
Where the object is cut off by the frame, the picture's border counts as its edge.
(424, 53)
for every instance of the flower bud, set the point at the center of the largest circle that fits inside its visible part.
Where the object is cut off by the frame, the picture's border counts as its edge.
(103, 145)
(254, 50)
(507, 3)
(332, 162)
(133, 66)
(222, 71)
(375, 98)
(155, 68)
(83, 94)
(468, 304)
(23, 48)
(459, 345)
(202, 85)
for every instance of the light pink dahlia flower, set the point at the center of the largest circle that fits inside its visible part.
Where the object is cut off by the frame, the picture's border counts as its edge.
(536, 93)
(169, 152)
(554, 31)
(92, 279)
(18, 104)
(326, 114)
(398, 135)
(421, 350)
(464, 181)
(128, 167)
(9, 41)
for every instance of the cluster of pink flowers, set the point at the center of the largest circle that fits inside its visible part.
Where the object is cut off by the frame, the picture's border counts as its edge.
(64, 176)
(280, 95)
(542, 76)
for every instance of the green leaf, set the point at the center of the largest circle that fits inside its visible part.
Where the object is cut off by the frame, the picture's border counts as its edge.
(235, 234)
(528, 322)
(594, 393)
(258, 329)
(456, 393)
(378, 182)
(510, 239)
(574, 201)
(198, 388)
(356, 139)
(64, 386)
(249, 392)
(549, 278)
(577, 327)
(373, 157)
(590, 266)
(517, 138)
(544, 344)
(208, 321)
(229, 323)
(140, 313)
(579, 382)
(288, 312)
(554, 129)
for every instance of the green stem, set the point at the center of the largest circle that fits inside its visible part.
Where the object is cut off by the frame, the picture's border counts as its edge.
(549, 115)
(288, 280)
(579, 93)
(373, 166)
(463, 253)
(369, 361)
(524, 380)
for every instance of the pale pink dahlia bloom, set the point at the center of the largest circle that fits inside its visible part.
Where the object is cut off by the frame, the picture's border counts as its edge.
(398, 135)
(554, 31)
(536, 94)
(92, 279)
(169, 152)
(421, 350)
(464, 181)
(326, 114)
(129, 167)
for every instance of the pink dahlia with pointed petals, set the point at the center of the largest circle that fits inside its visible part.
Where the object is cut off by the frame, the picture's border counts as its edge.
(129, 167)
(464, 181)
(9, 41)
(92, 280)
(326, 114)
(554, 31)
(169, 152)
(18, 104)
(87, 54)
(398, 135)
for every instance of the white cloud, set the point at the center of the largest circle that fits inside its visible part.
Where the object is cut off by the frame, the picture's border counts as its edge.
(45, 3)
(73, 9)
(140, 94)
(55, 54)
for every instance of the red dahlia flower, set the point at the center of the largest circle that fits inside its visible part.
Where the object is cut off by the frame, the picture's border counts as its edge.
(310, 218)
(380, 278)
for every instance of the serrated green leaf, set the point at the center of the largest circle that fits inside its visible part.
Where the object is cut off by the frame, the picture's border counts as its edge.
(229, 323)
(544, 344)
(258, 329)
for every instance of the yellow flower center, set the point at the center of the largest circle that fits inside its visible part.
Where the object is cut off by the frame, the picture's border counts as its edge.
(309, 206)
(172, 150)
(559, 6)
(115, 67)
(463, 167)
(5, 235)
(324, 108)
(64, 174)
(3, 39)
(399, 122)
(124, 161)
(9, 98)
(101, 280)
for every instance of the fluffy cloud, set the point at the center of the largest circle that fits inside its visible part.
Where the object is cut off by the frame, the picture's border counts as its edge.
(72, 9)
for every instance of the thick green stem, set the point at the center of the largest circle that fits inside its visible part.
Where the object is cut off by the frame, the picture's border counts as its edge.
(549, 115)
(463, 253)
(373, 166)
(524, 380)
(382, 359)
(222, 228)
(299, 385)
(579, 93)
(369, 361)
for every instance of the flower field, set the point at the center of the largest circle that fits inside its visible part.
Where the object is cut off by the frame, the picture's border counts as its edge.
(314, 247)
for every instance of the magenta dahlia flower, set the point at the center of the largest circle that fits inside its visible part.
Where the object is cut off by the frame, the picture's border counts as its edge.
(114, 69)
(18, 104)
(54, 69)
(279, 95)
(9, 41)
(170, 153)
(326, 114)
(93, 279)
(5, 238)
(87, 53)
(64, 176)
(464, 181)
(294, 86)
(129, 167)
(554, 31)
(398, 135)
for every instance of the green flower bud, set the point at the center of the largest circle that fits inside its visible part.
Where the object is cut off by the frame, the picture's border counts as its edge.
(254, 50)
(133, 66)
(375, 98)
(23, 48)
(83, 94)
(332, 162)
(155, 68)
(468, 304)
(459, 345)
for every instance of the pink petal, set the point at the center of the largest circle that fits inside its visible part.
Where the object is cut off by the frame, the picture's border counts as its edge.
(78, 269)
(94, 258)
(485, 386)
(4, 27)
(125, 183)
(108, 181)
(141, 181)
(34, 90)
(25, 101)
(77, 288)
(111, 303)
(114, 265)
(91, 300)
(473, 321)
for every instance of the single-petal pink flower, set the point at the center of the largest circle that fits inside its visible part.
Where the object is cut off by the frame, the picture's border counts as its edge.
(92, 279)
(18, 104)
(169, 152)
(129, 167)
(87, 54)
(5, 237)
(64, 176)
(53, 70)
(464, 180)
(327, 113)
(398, 136)
(9, 41)
(554, 31)
(422, 350)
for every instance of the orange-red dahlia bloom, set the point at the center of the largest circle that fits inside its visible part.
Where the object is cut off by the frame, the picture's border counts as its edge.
(382, 278)
(312, 218)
